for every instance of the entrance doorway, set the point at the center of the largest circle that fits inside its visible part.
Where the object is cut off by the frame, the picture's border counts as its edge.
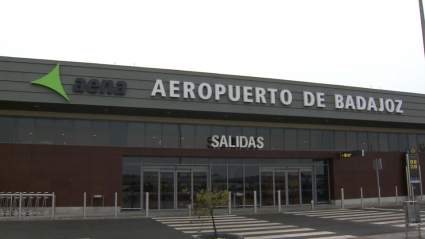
(295, 185)
(167, 186)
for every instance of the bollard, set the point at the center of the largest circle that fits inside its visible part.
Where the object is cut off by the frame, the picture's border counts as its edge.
(379, 196)
(342, 197)
(396, 195)
(147, 204)
(361, 197)
(255, 201)
(189, 212)
(312, 205)
(279, 201)
(230, 202)
(20, 204)
(53, 205)
(116, 204)
(84, 208)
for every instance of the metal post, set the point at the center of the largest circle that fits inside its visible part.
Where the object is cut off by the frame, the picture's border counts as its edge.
(20, 204)
(11, 203)
(84, 209)
(279, 201)
(189, 212)
(147, 204)
(234, 200)
(396, 195)
(421, 11)
(312, 205)
(379, 190)
(342, 197)
(53, 205)
(420, 182)
(230, 203)
(361, 197)
(116, 204)
(255, 201)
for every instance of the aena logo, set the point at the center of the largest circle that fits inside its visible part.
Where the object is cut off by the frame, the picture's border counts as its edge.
(52, 81)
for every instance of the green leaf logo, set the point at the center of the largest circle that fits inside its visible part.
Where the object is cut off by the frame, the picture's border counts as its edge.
(52, 81)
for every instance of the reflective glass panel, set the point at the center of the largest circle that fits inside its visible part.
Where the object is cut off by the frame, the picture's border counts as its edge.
(64, 133)
(167, 190)
(322, 183)
(82, 132)
(277, 139)
(187, 133)
(351, 140)
(340, 143)
(383, 142)
(306, 187)
(150, 185)
(393, 141)
(403, 142)
(170, 136)
(7, 129)
(413, 141)
(328, 140)
(218, 177)
(153, 135)
(25, 130)
(267, 189)
(203, 133)
(291, 139)
(362, 141)
(293, 188)
(265, 133)
(421, 143)
(100, 133)
(44, 131)
(251, 183)
(303, 139)
(118, 133)
(280, 184)
(136, 135)
(316, 140)
(184, 182)
(235, 173)
(373, 141)
(131, 182)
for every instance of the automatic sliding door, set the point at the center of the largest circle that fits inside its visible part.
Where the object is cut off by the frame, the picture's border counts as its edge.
(150, 185)
(267, 189)
(293, 188)
(167, 190)
(184, 182)
(280, 184)
(306, 186)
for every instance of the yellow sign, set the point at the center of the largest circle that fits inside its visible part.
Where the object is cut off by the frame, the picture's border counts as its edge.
(345, 155)
(412, 150)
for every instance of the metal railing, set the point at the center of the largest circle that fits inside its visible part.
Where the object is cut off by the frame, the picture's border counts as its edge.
(23, 204)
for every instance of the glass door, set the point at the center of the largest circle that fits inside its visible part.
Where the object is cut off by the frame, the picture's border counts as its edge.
(150, 184)
(306, 186)
(184, 182)
(267, 198)
(280, 184)
(167, 184)
(293, 187)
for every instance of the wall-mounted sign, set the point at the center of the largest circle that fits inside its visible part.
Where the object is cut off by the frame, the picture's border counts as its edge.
(237, 142)
(351, 154)
(260, 95)
(95, 86)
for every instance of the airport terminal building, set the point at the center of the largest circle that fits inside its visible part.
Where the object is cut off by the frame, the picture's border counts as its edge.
(70, 128)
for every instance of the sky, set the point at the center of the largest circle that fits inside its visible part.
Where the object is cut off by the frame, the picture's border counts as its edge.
(365, 43)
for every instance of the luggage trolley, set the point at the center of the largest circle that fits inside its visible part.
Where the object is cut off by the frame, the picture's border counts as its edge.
(15, 199)
(2, 203)
(29, 211)
(44, 204)
(7, 204)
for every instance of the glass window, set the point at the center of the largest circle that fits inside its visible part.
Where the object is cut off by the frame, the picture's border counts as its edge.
(203, 134)
(131, 172)
(373, 141)
(218, 161)
(383, 142)
(170, 136)
(235, 179)
(340, 140)
(118, 133)
(151, 160)
(186, 160)
(235, 161)
(322, 183)
(153, 135)
(306, 161)
(25, 130)
(291, 139)
(249, 131)
(421, 143)
(267, 161)
(136, 135)
(250, 161)
(7, 129)
(287, 161)
(252, 178)
(218, 130)
(233, 131)
(362, 141)
(187, 133)
(44, 131)
(329, 140)
(303, 139)
(351, 140)
(403, 142)
(82, 132)
(413, 141)
(277, 139)
(316, 140)
(201, 161)
(218, 177)
(64, 133)
(100, 132)
(170, 160)
(393, 142)
(265, 133)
